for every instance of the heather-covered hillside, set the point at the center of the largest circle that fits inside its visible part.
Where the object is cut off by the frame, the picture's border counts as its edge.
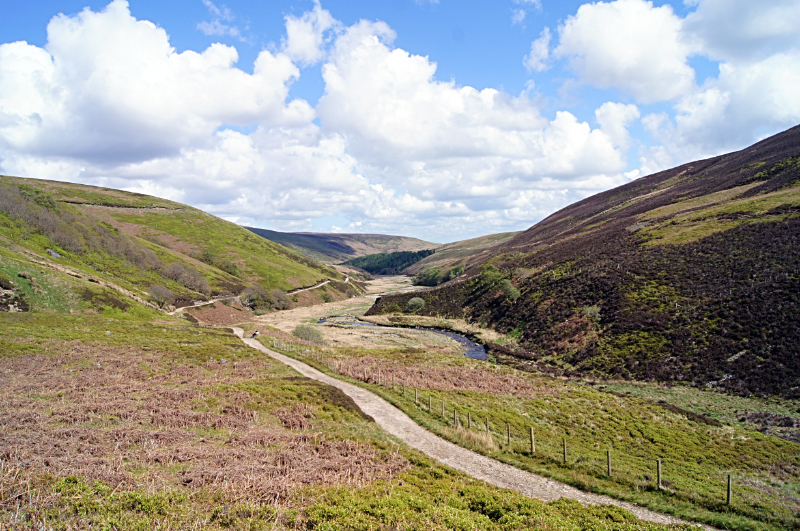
(691, 274)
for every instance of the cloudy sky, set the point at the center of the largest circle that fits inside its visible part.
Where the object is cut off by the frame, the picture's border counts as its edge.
(442, 120)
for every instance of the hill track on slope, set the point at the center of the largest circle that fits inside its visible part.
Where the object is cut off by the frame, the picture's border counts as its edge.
(481, 467)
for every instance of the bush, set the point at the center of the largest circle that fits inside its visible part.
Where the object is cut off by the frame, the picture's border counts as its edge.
(592, 312)
(229, 267)
(161, 295)
(256, 298)
(455, 271)
(433, 276)
(490, 276)
(308, 333)
(5, 282)
(187, 276)
(280, 301)
(510, 291)
(415, 305)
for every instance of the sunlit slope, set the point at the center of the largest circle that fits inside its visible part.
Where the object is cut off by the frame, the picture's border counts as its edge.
(454, 253)
(690, 274)
(336, 248)
(134, 241)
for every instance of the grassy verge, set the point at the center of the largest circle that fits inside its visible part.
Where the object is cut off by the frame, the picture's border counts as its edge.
(696, 457)
(124, 424)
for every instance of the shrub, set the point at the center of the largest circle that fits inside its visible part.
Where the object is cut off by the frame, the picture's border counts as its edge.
(490, 276)
(161, 295)
(229, 267)
(427, 277)
(39, 197)
(415, 305)
(508, 288)
(455, 271)
(433, 276)
(187, 276)
(256, 298)
(5, 281)
(308, 333)
(592, 312)
(280, 301)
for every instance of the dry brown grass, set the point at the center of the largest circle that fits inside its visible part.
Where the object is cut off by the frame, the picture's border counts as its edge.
(445, 378)
(131, 418)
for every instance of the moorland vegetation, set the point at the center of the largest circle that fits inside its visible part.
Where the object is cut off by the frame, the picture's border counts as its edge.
(688, 275)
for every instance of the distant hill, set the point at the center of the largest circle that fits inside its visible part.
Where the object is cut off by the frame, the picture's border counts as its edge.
(691, 274)
(87, 247)
(388, 263)
(451, 254)
(337, 248)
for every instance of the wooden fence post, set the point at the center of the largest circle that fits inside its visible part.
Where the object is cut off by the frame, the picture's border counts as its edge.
(658, 474)
(533, 442)
(469, 420)
(608, 462)
(729, 490)
(564, 444)
(416, 397)
(487, 424)
(430, 403)
(455, 418)
(508, 434)
(442, 407)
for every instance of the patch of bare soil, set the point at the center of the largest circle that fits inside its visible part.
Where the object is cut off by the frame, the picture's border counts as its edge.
(131, 418)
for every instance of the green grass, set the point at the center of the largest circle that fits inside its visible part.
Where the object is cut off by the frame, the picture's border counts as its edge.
(173, 232)
(710, 217)
(697, 457)
(723, 407)
(65, 363)
(428, 497)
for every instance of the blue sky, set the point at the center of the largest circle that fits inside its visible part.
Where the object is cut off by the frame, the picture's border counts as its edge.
(441, 120)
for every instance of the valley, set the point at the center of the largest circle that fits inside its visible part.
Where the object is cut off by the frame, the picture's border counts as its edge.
(640, 352)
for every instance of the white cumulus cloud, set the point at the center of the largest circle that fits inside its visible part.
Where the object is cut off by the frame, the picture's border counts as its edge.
(540, 51)
(305, 35)
(630, 45)
(109, 101)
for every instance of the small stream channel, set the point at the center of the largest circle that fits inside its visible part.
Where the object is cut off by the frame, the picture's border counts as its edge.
(471, 349)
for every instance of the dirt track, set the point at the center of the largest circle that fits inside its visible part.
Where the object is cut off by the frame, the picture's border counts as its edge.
(478, 466)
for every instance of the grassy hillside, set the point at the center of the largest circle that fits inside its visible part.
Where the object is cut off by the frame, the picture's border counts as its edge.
(690, 274)
(336, 248)
(697, 450)
(128, 424)
(87, 247)
(449, 259)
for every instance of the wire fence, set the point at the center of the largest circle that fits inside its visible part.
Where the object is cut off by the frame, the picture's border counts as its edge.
(532, 441)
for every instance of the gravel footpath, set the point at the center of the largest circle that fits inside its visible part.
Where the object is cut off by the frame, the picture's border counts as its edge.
(397, 423)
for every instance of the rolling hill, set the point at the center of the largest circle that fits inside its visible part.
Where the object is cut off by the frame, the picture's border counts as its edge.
(451, 254)
(68, 247)
(691, 274)
(336, 248)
